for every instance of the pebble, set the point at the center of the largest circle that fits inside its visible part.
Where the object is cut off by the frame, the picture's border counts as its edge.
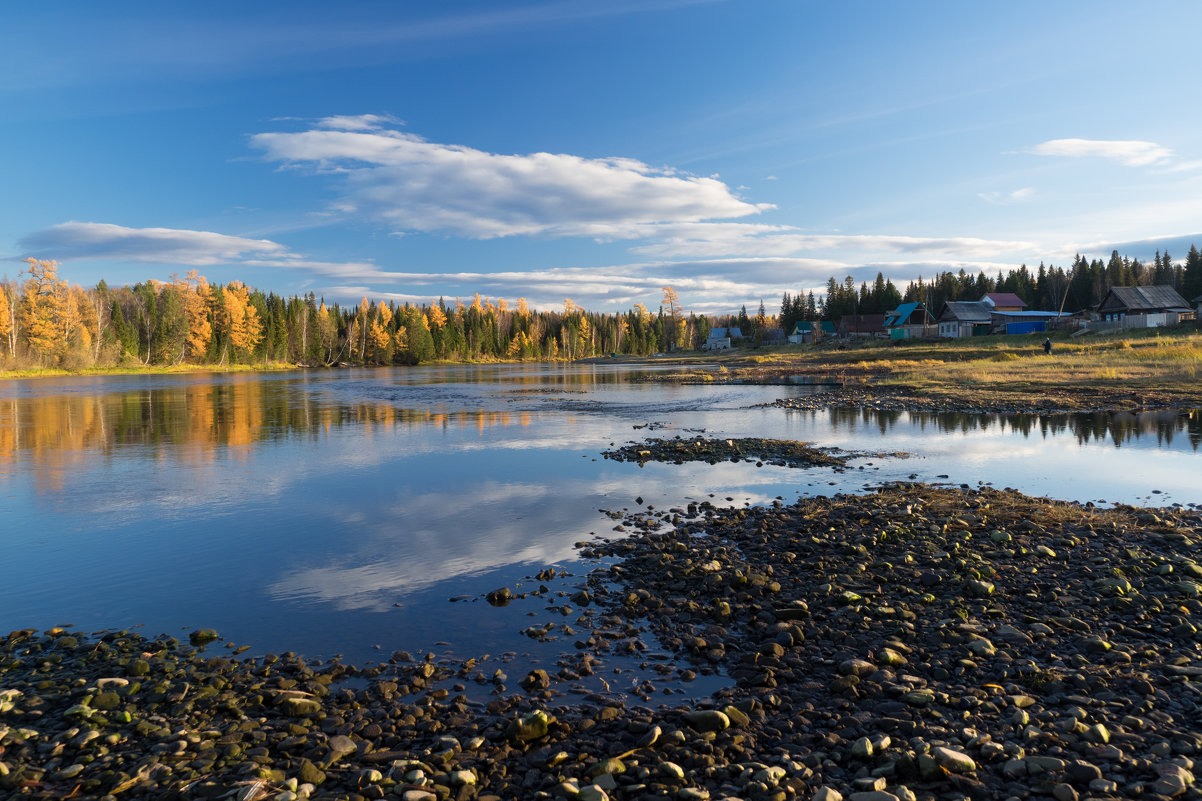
(852, 653)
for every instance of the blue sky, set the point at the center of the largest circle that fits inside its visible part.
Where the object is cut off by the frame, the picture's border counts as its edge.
(593, 151)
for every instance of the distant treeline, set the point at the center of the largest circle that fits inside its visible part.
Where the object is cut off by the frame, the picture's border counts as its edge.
(46, 321)
(1081, 286)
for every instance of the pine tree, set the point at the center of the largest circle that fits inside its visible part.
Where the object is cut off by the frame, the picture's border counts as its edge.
(1191, 278)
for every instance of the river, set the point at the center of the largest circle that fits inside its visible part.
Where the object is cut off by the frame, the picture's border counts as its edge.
(340, 512)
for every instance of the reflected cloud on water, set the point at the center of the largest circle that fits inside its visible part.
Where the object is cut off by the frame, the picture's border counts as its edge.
(312, 504)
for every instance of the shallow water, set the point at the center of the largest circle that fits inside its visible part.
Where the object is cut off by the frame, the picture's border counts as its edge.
(338, 512)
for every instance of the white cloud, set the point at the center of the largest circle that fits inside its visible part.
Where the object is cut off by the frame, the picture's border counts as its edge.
(412, 184)
(1133, 152)
(88, 240)
(705, 286)
(1002, 198)
(358, 122)
(1184, 166)
(703, 240)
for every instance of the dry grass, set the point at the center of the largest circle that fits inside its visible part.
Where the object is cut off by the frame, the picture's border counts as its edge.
(1146, 362)
(159, 369)
(1164, 364)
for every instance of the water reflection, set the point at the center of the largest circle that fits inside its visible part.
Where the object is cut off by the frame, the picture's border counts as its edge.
(327, 511)
(199, 423)
(1151, 427)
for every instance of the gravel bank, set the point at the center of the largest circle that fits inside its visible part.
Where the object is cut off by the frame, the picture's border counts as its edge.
(912, 642)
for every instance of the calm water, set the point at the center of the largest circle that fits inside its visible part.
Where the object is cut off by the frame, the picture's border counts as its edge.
(339, 512)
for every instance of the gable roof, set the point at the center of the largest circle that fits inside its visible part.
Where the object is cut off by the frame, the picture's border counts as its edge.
(862, 322)
(722, 333)
(968, 311)
(901, 315)
(1143, 298)
(1003, 299)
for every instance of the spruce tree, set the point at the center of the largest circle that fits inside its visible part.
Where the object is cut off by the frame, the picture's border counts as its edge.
(1191, 278)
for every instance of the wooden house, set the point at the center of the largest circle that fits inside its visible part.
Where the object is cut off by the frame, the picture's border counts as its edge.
(910, 321)
(965, 318)
(810, 331)
(771, 337)
(1004, 301)
(721, 338)
(1143, 307)
(862, 325)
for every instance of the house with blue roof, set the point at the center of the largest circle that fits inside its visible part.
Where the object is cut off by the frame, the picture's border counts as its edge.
(809, 331)
(721, 339)
(910, 321)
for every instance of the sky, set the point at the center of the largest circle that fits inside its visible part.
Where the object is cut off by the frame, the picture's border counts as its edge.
(594, 151)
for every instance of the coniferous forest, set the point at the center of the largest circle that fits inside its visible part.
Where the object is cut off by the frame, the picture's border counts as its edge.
(47, 321)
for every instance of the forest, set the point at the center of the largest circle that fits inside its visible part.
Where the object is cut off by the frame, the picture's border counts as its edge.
(1081, 286)
(46, 321)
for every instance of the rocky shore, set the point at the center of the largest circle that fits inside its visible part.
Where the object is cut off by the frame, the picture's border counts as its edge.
(979, 400)
(914, 642)
(678, 450)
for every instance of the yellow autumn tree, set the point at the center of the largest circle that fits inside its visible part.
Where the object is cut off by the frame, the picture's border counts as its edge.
(358, 329)
(672, 302)
(377, 333)
(82, 323)
(241, 319)
(195, 293)
(437, 316)
(43, 309)
(327, 332)
(585, 333)
(8, 323)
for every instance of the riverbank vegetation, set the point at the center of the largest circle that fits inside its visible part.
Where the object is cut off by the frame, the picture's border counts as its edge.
(1136, 368)
(45, 322)
(48, 323)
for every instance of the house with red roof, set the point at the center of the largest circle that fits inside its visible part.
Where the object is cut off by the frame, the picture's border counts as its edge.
(1004, 301)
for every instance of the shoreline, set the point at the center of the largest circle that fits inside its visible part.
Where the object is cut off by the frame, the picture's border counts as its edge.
(917, 641)
(1141, 370)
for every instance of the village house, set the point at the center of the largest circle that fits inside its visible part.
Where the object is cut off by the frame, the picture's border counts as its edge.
(721, 338)
(1030, 321)
(995, 313)
(1004, 301)
(910, 321)
(772, 337)
(1142, 307)
(965, 318)
(862, 325)
(806, 332)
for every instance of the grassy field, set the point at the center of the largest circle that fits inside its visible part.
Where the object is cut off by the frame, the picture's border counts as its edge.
(1153, 366)
(1162, 366)
(157, 369)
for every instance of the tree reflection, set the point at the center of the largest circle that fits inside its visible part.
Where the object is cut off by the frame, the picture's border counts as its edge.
(196, 423)
(1118, 428)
